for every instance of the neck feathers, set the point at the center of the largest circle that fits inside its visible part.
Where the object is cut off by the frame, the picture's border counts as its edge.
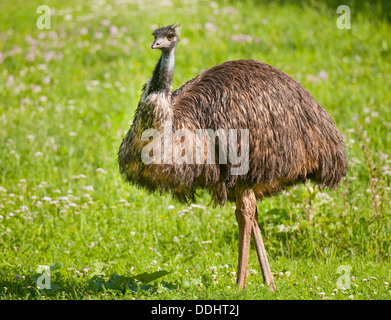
(157, 90)
(163, 73)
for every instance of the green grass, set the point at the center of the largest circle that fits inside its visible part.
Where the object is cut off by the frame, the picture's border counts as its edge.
(68, 95)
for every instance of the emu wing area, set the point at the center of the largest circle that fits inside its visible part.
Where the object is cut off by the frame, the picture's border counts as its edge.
(292, 137)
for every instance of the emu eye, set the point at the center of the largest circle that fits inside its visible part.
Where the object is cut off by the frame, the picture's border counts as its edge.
(170, 37)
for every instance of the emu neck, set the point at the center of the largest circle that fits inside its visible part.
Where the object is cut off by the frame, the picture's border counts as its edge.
(157, 91)
(163, 73)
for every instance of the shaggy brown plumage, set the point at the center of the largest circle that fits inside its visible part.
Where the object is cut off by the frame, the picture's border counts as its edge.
(291, 137)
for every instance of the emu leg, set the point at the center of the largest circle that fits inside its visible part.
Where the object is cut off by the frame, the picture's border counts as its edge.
(245, 211)
(261, 252)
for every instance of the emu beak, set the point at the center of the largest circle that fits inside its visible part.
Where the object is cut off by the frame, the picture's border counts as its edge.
(160, 43)
(156, 44)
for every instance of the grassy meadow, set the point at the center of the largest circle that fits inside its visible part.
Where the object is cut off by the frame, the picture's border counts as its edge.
(68, 96)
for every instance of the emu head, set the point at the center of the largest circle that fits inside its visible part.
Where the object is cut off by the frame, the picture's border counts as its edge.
(166, 38)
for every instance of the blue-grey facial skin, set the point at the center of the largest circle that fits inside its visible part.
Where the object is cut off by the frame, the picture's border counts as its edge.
(165, 42)
(161, 43)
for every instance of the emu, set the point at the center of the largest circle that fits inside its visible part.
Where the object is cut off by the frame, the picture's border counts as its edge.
(291, 139)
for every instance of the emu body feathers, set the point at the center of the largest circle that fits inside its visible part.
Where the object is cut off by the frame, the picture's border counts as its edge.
(292, 138)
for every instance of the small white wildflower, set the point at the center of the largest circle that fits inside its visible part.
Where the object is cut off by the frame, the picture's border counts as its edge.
(213, 269)
(154, 262)
(281, 274)
(287, 273)
(322, 294)
(132, 233)
(373, 278)
(364, 280)
(386, 284)
(353, 278)
(88, 188)
(100, 170)
(351, 297)
(170, 207)
(233, 274)
(315, 278)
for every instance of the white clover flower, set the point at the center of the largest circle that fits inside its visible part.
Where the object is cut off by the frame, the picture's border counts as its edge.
(88, 188)
(281, 274)
(100, 170)
(287, 273)
(213, 269)
(351, 297)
